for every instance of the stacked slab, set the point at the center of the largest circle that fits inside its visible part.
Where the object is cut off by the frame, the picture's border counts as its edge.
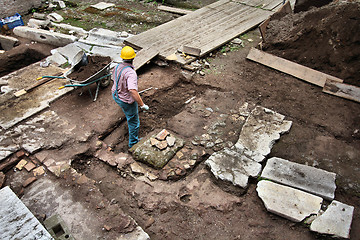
(303, 196)
(259, 133)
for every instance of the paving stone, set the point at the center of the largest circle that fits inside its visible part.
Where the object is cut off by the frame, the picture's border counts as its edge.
(154, 141)
(29, 181)
(260, 131)
(228, 165)
(102, 5)
(162, 135)
(288, 202)
(144, 152)
(57, 59)
(20, 154)
(56, 170)
(29, 166)
(136, 168)
(21, 164)
(307, 178)
(2, 179)
(49, 162)
(16, 221)
(55, 17)
(336, 220)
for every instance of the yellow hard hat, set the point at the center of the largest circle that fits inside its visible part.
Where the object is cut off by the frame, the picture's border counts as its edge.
(127, 53)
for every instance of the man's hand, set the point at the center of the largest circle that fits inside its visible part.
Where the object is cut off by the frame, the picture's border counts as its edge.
(144, 107)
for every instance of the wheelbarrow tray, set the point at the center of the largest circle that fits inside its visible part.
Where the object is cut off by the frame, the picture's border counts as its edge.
(102, 72)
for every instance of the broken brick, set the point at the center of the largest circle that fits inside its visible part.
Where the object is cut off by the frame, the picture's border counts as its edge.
(153, 141)
(161, 145)
(38, 171)
(29, 166)
(107, 228)
(56, 170)
(20, 154)
(29, 181)
(179, 154)
(149, 222)
(21, 164)
(170, 141)
(162, 135)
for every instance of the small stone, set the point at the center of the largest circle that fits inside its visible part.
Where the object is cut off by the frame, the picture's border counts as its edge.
(136, 168)
(21, 164)
(192, 162)
(38, 171)
(162, 145)
(179, 154)
(237, 41)
(151, 176)
(83, 179)
(205, 137)
(170, 141)
(107, 228)
(187, 166)
(162, 135)
(56, 170)
(98, 144)
(201, 73)
(153, 141)
(29, 181)
(149, 222)
(209, 144)
(29, 166)
(124, 34)
(2, 179)
(178, 172)
(49, 162)
(194, 143)
(218, 141)
(163, 175)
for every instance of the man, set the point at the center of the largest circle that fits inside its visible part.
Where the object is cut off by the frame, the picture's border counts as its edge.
(125, 93)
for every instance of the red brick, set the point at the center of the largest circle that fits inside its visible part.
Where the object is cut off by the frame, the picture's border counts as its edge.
(29, 181)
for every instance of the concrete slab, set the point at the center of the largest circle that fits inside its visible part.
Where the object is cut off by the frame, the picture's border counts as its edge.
(105, 36)
(309, 179)
(102, 5)
(260, 131)
(288, 202)
(44, 36)
(69, 51)
(8, 42)
(16, 220)
(57, 59)
(336, 220)
(55, 17)
(231, 166)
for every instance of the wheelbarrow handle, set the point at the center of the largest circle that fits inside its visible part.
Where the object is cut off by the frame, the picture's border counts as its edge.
(50, 77)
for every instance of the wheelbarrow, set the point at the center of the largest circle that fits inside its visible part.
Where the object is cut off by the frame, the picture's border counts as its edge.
(101, 78)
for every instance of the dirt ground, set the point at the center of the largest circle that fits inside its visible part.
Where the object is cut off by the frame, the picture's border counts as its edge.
(325, 133)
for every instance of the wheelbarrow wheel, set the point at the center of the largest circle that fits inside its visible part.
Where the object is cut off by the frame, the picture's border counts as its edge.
(105, 82)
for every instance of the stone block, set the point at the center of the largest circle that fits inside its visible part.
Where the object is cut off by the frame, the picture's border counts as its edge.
(69, 51)
(228, 165)
(38, 171)
(16, 221)
(105, 36)
(102, 5)
(288, 202)
(336, 220)
(29, 181)
(55, 17)
(29, 166)
(44, 36)
(260, 131)
(7, 42)
(21, 164)
(162, 135)
(57, 59)
(307, 178)
(57, 228)
(143, 151)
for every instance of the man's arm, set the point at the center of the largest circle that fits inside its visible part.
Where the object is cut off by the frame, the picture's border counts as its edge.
(136, 97)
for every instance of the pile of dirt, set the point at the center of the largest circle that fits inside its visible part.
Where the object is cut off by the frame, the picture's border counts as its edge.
(95, 64)
(326, 39)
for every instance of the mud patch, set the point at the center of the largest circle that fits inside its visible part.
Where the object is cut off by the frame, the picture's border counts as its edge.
(323, 38)
(95, 64)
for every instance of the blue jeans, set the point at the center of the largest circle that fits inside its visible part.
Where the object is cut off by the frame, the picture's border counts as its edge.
(132, 118)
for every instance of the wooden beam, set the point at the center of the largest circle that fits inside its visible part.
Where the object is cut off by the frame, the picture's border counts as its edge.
(174, 10)
(342, 90)
(291, 68)
(144, 56)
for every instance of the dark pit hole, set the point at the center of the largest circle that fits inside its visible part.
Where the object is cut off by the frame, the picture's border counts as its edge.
(58, 230)
(81, 162)
(42, 37)
(185, 198)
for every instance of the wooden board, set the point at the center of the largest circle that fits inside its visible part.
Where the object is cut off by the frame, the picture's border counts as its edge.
(342, 90)
(207, 28)
(174, 10)
(144, 56)
(264, 4)
(291, 68)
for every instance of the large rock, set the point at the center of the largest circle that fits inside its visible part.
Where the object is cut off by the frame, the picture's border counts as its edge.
(231, 166)
(260, 131)
(336, 220)
(16, 221)
(10, 7)
(143, 151)
(288, 202)
(310, 179)
(44, 36)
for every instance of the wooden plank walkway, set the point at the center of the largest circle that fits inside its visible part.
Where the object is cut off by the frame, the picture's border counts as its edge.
(207, 29)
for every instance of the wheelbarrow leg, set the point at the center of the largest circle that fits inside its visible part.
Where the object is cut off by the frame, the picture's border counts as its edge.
(97, 90)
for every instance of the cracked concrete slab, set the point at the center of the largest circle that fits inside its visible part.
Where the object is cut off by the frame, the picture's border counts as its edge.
(309, 179)
(231, 166)
(288, 202)
(16, 220)
(336, 220)
(260, 131)
(14, 110)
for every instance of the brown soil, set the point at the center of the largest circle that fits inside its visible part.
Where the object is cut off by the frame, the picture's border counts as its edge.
(95, 64)
(323, 38)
